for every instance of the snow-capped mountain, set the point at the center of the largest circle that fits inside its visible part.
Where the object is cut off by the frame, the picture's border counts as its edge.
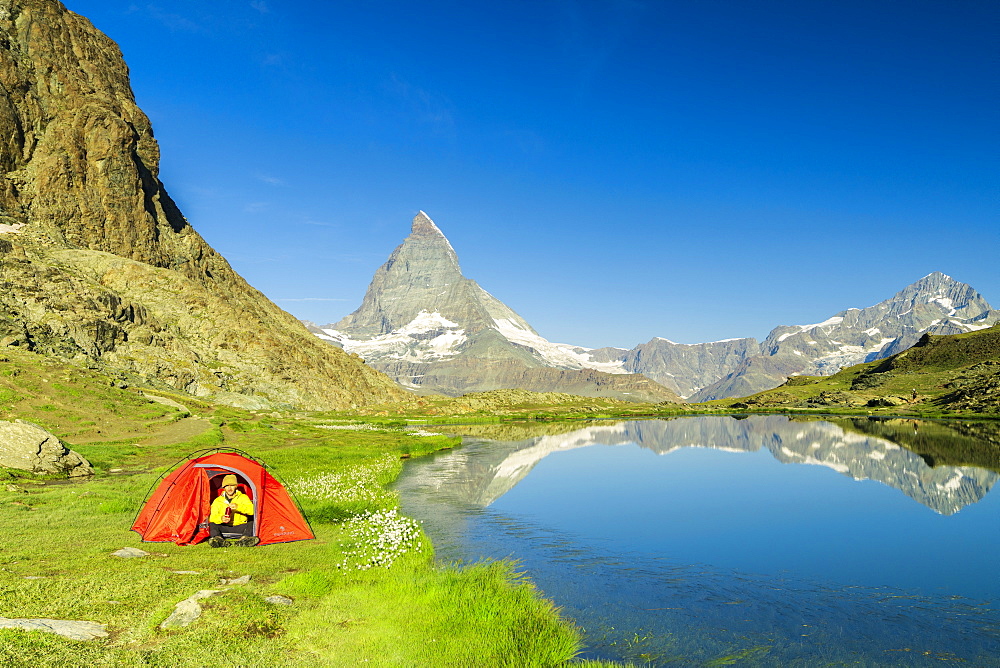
(936, 304)
(429, 327)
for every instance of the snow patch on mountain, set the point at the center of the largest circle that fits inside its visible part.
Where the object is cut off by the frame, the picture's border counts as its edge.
(408, 343)
(431, 337)
(849, 355)
(969, 326)
(559, 355)
(953, 483)
(945, 302)
(835, 320)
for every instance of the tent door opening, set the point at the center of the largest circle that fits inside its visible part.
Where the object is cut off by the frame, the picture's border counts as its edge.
(215, 474)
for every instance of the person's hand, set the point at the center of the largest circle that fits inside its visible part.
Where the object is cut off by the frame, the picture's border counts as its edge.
(232, 504)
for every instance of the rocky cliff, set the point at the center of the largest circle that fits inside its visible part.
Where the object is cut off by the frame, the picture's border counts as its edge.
(686, 368)
(97, 264)
(432, 329)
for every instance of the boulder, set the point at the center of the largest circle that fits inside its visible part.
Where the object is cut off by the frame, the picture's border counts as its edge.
(28, 447)
(827, 398)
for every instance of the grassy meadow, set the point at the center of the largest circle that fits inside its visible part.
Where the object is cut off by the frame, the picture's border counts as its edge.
(365, 592)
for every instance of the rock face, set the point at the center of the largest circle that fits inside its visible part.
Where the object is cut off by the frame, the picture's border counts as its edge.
(28, 447)
(429, 327)
(686, 368)
(97, 264)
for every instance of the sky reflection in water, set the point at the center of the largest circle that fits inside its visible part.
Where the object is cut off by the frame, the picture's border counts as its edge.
(691, 540)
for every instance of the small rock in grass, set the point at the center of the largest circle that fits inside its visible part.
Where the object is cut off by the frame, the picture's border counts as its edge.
(34, 577)
(186, 572)
(13, 488)
(130, 553)
(278, 600)
(69, 629)
(188, 610)
(236, 581)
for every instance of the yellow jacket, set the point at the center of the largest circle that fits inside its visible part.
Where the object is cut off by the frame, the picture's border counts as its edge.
(244, 508)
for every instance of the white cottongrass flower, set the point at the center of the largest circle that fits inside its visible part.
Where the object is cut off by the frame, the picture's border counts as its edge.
(422, 432)
(380, 537)
(359, 483)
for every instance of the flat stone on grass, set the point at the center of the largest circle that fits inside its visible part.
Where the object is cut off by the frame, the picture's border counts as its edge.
(69, 629)
(130, 553)
(188, 610)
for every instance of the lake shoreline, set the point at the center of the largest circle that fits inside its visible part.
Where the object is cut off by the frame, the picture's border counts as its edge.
(504, 531)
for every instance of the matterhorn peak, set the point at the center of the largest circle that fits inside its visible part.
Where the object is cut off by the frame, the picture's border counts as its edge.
(433, 329)
(424, 226)
(424, 229)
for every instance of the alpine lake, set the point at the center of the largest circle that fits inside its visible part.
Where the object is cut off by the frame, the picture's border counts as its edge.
(763, 540)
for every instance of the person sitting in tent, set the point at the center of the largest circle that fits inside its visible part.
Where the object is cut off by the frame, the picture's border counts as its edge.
(179, 508)
(231, 512)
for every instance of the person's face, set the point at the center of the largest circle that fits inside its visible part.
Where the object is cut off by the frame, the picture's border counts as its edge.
(230, 489)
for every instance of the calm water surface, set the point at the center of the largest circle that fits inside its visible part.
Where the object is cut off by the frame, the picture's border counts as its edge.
(721, 541)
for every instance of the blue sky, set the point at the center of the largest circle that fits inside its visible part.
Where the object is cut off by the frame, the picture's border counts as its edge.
(612, 170)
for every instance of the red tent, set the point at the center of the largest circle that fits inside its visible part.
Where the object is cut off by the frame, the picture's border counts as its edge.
(178, 510)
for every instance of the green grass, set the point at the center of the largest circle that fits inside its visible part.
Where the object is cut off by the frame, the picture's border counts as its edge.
(395, 619)
(77, 404)
(410, 613)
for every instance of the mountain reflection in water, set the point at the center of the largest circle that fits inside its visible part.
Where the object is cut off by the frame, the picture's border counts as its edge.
(718, 554)
(481, 479)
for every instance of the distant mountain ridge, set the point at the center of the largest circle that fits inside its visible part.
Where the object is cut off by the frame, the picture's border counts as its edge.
(936, 304)
(432, 329)
(952, 373)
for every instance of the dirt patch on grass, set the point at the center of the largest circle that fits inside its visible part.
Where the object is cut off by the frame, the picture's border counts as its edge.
(180, 431)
